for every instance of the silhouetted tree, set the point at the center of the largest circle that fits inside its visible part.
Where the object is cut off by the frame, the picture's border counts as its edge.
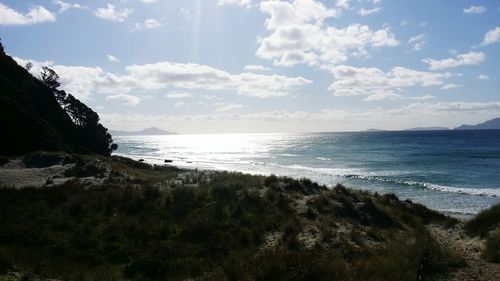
(90, 133)
(50, 78)
(28, 66)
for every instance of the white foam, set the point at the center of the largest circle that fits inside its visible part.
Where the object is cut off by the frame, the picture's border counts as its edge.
(492, 192)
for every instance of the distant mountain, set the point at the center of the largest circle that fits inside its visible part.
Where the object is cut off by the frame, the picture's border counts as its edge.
(374, 130)
(145, 132)
(493, 124)
(428, 129)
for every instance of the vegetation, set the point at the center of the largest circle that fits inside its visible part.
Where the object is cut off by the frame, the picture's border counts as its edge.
(487, 225)
(162, 223)
(37, 115)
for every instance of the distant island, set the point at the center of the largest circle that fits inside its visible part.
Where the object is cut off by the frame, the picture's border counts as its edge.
(153, 131)
(493, 124)
(428, 129)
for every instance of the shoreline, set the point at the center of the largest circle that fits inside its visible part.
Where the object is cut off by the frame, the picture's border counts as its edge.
(459, 215)
(247, 219)
(15, 174)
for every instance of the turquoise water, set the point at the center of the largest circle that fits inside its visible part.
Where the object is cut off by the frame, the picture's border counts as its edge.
(454, 171)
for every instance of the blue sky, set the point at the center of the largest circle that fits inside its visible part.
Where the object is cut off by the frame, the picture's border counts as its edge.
(222, 66)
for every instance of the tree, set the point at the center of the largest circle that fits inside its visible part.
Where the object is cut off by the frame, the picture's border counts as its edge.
(28, 66)
(89, 132)
(50, 78)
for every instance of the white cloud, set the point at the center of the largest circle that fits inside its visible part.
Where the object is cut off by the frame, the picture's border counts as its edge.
(185, 13)
(404, 23)
(483, 77)
(475, 10)
(112, 58)
(112, 13)
(450, 86)
(195, 76)
(424, 97)
(85, 81)
(382, 96)
(64, 6)
(254, 67)
(491, 36)
(125, 99)
(147, 24)
(177, 95)
(179, 104)
(36, 14)
(471, 58)
(149, 1)
(343, 4)
(457, 106)
(210, 97)
(449, 114)
(242, 3)
(222, 107)
(362, 81)
(299, 35)
(366, 12)
(417, 41)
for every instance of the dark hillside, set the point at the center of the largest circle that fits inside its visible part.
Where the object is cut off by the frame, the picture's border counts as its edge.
(33, 119)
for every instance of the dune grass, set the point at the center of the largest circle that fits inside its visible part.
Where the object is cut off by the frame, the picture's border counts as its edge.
(218, 230)
(487, 225)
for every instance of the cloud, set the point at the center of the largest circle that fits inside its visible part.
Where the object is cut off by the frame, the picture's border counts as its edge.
(179, 104)
(475, 10)
(36, 14)
(222, 107)
(363, 81)
(471, 58)
(85, 81)
(450, 86)
(254, 67)
(483, 77)
(382, 96)
(195, 76)
(449, 114)
(491, 36)
(457, 106)
(149, 1)
(366, 12)
(112, 13)
(418, 41)
(177, 95)
(125, 99)
(404, 23)
(147, 24)
(112, 58)
(343, 4)
(242, 3)
(64, 6)
(299, 35)
(424, 97)
(185, 13)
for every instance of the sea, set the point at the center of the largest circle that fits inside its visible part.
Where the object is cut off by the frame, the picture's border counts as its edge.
(457, 172)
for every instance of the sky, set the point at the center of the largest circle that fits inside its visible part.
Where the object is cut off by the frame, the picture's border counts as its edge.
(246, 66)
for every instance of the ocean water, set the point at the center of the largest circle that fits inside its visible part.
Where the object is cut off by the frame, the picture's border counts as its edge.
(452, 171)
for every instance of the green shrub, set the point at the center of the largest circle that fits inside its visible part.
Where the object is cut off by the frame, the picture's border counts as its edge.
(492, 250)
(485, 221)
